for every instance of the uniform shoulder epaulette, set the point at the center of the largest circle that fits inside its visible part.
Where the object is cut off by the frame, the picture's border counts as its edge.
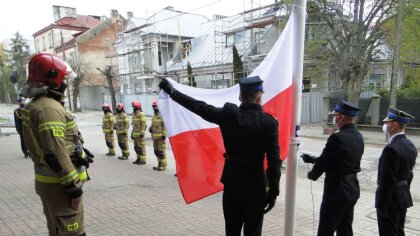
(270, 115)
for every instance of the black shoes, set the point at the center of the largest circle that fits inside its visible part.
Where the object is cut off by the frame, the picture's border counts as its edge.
(139, 162)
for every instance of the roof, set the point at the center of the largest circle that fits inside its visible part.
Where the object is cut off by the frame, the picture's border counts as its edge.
(80, 21)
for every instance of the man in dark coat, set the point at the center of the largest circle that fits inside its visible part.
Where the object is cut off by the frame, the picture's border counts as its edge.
(249, 134)
(18, 124)
(340, 160)
(395, 173)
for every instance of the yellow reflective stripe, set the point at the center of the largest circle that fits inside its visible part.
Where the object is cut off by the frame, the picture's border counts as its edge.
(83, 175)
(122, 131)
(55, 180)
(69, 177)
(51, 125)
(106, 130)
(70, 124)
(143, 118)
(157, 135)
(46, 179)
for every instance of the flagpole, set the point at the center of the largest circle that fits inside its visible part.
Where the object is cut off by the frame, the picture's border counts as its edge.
(299, 9)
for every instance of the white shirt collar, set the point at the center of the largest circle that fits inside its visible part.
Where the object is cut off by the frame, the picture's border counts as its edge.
(393, 136)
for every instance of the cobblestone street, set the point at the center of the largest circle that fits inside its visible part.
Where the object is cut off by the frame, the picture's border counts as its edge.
(126, 199)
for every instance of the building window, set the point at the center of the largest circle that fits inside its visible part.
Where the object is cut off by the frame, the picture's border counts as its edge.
(230, 40)
(50, 41)
(37, 45)
(376, 81)
(220, 83)
(143, 85)
(43, 43)
(160, 58)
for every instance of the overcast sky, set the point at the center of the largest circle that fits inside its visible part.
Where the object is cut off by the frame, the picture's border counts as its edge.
(29, 16)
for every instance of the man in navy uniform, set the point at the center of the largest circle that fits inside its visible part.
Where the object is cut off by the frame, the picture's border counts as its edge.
(249, 134)
(340, 160)
(395, 173)
(18, 124)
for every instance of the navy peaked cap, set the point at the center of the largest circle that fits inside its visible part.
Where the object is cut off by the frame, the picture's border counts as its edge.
(346, 108)
(251, 84)
(398, 115)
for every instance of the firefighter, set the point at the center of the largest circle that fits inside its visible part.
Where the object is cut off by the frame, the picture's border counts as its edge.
(108, 128)
(158, 131)
(137, 134)
(49, 132)
(122, 131)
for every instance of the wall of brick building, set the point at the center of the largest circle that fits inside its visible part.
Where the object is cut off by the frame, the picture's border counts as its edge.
(96, 50)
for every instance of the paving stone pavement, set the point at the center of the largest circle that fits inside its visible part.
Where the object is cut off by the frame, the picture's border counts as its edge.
(126, 199)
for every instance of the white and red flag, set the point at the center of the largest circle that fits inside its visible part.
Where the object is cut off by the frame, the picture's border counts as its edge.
(197, 144)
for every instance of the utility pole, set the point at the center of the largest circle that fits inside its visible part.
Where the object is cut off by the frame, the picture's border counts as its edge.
(67, 80)
(396, 61)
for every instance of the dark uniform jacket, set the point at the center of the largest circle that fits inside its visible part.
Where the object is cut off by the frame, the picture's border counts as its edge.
(395, 173)
(18, 119)
(340, 160)
(248, 135)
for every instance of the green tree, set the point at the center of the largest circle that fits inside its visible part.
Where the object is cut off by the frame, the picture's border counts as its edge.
(410, 45)
(191, 79)
(19, 52)
(238, 68)
(353, 36)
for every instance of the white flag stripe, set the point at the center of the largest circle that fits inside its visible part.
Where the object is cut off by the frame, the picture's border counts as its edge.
(275, 70)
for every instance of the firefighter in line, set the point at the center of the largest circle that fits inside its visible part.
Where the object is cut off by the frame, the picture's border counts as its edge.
(122, 131)
(108, 128)
(158, 131)
(18, 124)
(49, 132)
(137, 134)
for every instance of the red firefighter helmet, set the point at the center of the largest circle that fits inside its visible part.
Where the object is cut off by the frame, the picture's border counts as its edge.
(106, 106)
(136, 104)
(120, 106)
(154, 103)
(47, 69)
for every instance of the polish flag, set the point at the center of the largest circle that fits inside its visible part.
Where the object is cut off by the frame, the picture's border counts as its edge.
(197, 144)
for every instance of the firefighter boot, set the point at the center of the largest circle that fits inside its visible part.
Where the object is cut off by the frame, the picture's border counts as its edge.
(137, 162)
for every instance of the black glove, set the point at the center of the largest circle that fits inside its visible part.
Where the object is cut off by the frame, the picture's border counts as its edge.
(89, 155)
(132, 137)
(308, 158)
(115, 126)
(166, 86)
(150, 129)
(270, 201)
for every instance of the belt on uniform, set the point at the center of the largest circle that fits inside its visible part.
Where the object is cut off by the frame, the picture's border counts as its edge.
(342, 176)
(402, 183)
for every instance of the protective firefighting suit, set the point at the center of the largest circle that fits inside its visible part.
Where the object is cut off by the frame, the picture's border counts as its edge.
(51, 135)
(122, 131)
(139, 126)
(158, 131)
(108, 130)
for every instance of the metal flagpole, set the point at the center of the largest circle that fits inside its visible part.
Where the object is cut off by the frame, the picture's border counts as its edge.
(299, 13)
